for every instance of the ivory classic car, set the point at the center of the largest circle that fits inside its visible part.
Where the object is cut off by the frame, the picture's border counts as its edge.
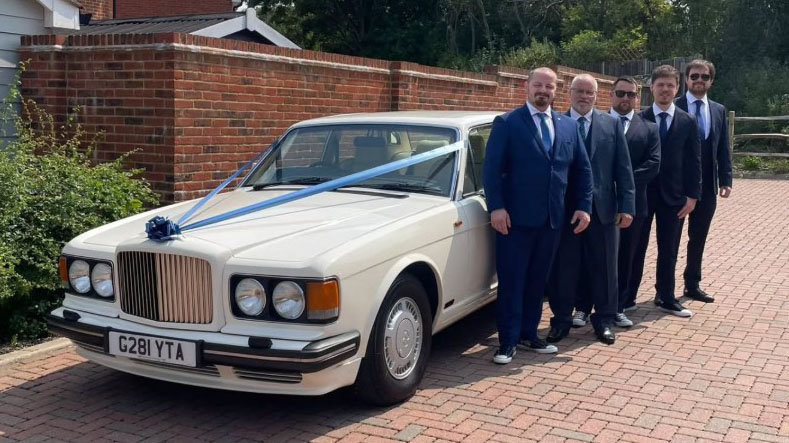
(325, 287)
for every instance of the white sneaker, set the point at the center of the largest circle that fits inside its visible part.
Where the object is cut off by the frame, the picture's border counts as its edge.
(622, 321)
(580, 318)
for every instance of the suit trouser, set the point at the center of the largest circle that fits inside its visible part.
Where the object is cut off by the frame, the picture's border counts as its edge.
(589, 257)
(523, 259)
(628, 245)
(669, 232)
(698, 227)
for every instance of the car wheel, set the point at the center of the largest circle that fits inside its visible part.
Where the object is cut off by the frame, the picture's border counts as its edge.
(399, 345)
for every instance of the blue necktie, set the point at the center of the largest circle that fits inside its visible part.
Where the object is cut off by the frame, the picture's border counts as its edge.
(546, 133)
(700, 120)
(624, 122)
(582, 126)
(663, 126)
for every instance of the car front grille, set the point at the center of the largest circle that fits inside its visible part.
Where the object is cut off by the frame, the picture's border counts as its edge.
(165, 287)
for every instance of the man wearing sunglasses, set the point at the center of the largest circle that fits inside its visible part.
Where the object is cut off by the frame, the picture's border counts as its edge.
(593, 253)
(716, 167)
(643, 142)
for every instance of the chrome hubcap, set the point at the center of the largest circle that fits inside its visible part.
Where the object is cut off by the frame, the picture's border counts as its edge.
(402, 338)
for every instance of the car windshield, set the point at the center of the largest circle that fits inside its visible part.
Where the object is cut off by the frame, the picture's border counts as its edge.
(317, 154)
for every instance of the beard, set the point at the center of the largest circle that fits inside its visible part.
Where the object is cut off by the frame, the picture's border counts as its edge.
(541, 100)
(699, 88)
(623, 108)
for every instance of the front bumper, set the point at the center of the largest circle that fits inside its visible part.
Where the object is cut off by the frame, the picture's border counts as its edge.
(317, 367)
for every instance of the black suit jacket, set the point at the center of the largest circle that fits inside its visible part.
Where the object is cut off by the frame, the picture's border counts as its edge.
(614, 190)
(719, 138)
(680, 160)
(643, 141)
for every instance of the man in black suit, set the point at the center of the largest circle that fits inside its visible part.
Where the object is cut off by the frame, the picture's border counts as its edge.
(643, 141)
(593, 253)
(673, 194)
(715, 167)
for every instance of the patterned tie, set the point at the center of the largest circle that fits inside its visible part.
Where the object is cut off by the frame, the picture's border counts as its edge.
(700, 120)
(546, 134)
(582, 126)
(624, 122)
(663, 126)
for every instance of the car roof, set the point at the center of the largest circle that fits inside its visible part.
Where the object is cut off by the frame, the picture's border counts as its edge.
(457, 119)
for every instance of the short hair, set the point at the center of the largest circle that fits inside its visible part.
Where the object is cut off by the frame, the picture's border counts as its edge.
(587, 77)
(663, 71)
(541, 69)
(700, 63)
(626, 79)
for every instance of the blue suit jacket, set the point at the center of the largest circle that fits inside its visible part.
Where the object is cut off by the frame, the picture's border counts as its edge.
(719, 139)
(522, 178)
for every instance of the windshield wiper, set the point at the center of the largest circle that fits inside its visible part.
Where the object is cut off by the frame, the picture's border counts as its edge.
(295, 181)
(405, 187)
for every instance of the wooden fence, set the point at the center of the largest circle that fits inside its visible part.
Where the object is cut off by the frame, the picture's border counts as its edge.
(733, 119)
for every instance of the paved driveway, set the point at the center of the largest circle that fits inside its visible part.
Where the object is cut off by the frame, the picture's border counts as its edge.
(721, 376)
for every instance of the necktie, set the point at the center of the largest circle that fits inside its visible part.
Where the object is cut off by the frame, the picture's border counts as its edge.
(663, 126)
(582, 126)
(624, 122)
(700, 120)
(546, 134)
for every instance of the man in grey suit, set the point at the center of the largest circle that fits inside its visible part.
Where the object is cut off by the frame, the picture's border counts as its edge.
(593, 253)
(643, 141)
(715, 167)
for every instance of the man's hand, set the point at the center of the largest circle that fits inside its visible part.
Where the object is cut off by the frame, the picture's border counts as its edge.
(500, 221)
(725, 191)
(583, 221)
(624, 220)
(690, 205)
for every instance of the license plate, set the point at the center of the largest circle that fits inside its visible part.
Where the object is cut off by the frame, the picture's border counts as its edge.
(158, 349)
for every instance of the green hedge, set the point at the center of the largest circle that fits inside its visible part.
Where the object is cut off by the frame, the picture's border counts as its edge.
(52, 192)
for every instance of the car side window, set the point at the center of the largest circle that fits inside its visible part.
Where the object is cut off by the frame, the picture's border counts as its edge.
(478, 140)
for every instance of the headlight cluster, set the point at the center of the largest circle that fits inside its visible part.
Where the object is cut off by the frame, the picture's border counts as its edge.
(305, 301)
(87, 277)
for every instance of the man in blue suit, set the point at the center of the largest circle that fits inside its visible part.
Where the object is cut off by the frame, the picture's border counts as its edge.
(530, 154)
(715, 167)
(593, 254)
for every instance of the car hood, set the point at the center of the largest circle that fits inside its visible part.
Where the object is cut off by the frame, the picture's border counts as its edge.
(291, 232)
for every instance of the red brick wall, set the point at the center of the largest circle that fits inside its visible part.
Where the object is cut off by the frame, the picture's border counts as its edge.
(101, 9)
(197, 115)
(165, 8)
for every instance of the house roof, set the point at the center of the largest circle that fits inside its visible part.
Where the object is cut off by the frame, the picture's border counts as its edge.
(208, 25)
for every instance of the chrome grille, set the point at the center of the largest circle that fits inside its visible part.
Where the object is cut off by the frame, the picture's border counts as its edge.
(165, 287)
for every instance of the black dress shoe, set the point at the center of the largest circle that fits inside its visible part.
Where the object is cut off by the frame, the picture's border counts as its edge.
(698, 294)
(606, 335)
(556, 334)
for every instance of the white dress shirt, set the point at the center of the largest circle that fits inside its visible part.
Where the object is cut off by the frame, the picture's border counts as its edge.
(705, 111)
(656, 109)
(588, 116)
(535, 115)
(628, 116)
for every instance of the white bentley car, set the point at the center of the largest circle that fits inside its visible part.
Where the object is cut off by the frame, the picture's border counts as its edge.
(337, 288)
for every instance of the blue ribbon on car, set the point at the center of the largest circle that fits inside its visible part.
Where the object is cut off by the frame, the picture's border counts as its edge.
(163, 229)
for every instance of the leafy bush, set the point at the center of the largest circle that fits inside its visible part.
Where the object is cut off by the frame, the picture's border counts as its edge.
(780, 167)
(752, 163)
(585, 48)
(52, 192)
(535, 55)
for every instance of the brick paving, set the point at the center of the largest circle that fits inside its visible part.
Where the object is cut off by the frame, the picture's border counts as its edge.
(721, 376)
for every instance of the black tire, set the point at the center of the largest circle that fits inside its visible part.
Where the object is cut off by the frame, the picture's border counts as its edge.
(375, 384)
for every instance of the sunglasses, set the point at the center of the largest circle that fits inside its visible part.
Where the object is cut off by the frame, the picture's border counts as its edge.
(629, 94)
(704, 77)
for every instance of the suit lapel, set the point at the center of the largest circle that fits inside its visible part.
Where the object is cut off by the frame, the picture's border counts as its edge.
(527, 118)
(635, 126)
(682, 103)
(592, 132)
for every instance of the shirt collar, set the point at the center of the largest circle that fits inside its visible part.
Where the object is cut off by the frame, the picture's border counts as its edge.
(533, 110)
(629, 115)
(575, 115)
(656, 109)
(692, 99)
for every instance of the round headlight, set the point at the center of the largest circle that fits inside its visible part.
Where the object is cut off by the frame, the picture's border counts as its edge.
(101, 277)
(288, 299)
(78, 276)
(250, 296)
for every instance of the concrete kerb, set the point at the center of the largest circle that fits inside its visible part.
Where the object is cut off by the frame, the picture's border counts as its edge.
(33, 351)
